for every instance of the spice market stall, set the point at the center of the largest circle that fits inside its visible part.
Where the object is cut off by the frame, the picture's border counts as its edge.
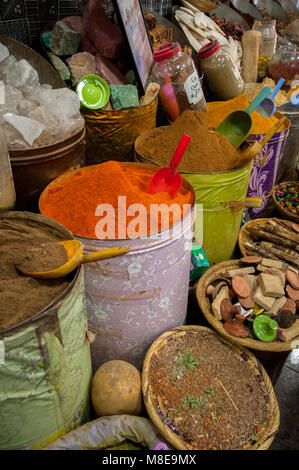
(188, 184)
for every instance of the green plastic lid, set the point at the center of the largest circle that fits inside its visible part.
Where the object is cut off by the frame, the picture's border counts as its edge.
(93, 92)
(265, 328)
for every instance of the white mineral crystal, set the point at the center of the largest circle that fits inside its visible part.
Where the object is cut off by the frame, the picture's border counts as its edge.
(28, 128)
(7, 67)
(64, 103)
(43, 115)
(12, 97)
(13, 138)
(34, 114)
(4, 53)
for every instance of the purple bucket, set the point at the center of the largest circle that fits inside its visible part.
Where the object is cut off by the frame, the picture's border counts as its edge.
(264, 171)
(133, 299)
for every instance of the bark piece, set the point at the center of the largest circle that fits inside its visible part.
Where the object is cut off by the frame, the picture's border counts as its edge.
(262, 300)
(240, 286)
(270, 263)
(271, 285)
(289, 305)
(289, 333)
(223, 294)
(239, 271)
(293, 279)
(252, 282)
(278, 305)
(251, 259)
(292, 293)
(246, 302)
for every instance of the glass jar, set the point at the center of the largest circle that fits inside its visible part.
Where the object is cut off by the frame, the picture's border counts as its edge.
(180, 85)
(221, 72)
(285, 63)
(7, 188)
(267, 28)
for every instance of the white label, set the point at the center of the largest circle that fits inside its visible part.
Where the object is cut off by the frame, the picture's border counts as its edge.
(193, 88)
(236, 73)
(2, 353)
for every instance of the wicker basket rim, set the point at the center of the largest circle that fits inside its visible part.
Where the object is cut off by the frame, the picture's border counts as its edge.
(204, 303)
(266, 436)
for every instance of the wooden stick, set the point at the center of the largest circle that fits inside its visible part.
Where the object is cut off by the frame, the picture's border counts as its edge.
(278, 230)
(273, 238)
(279, 253)
(285, 225)
(221, 385)
(257, 249)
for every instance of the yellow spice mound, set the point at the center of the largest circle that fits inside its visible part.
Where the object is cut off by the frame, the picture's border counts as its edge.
(217, 111)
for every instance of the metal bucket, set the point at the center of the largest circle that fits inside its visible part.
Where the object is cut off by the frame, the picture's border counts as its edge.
(110, 135)
(290, 155)
(34, 169)
(131, 300)
(264, 171)
(45, 366)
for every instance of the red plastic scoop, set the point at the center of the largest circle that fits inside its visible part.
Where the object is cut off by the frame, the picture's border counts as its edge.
(166, 179)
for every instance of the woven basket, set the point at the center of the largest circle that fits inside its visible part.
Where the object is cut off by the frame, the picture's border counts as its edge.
(266, 436)
(244, 235)
(204, 302)
(279, 207)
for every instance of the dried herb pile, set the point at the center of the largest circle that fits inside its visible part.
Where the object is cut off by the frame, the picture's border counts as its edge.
(207, 394)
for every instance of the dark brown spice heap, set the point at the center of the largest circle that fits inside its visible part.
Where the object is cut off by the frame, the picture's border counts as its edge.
(209, 395)
(22, 296)
(229, 28)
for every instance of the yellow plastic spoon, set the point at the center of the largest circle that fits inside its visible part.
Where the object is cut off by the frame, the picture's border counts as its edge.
(74, 251)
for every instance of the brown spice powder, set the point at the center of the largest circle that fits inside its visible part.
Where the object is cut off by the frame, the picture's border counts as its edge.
(217, 404)
(207, 151)
(21, 296)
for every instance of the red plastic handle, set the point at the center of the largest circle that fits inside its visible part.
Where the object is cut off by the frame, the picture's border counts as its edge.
(180, 150)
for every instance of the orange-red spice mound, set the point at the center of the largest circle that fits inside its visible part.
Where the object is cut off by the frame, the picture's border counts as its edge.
(74, 202)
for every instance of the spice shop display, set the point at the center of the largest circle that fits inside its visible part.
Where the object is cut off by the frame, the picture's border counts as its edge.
(150, 298)
(203, 393)
(180, 87)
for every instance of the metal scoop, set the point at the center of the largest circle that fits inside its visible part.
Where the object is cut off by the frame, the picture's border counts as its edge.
(267, 107)
(237, 125)
(167, 179)
(74, 251)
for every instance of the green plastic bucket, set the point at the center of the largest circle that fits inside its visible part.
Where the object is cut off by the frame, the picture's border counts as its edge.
(220, 201)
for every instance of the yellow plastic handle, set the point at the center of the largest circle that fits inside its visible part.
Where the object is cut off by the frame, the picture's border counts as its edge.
(105, 254)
